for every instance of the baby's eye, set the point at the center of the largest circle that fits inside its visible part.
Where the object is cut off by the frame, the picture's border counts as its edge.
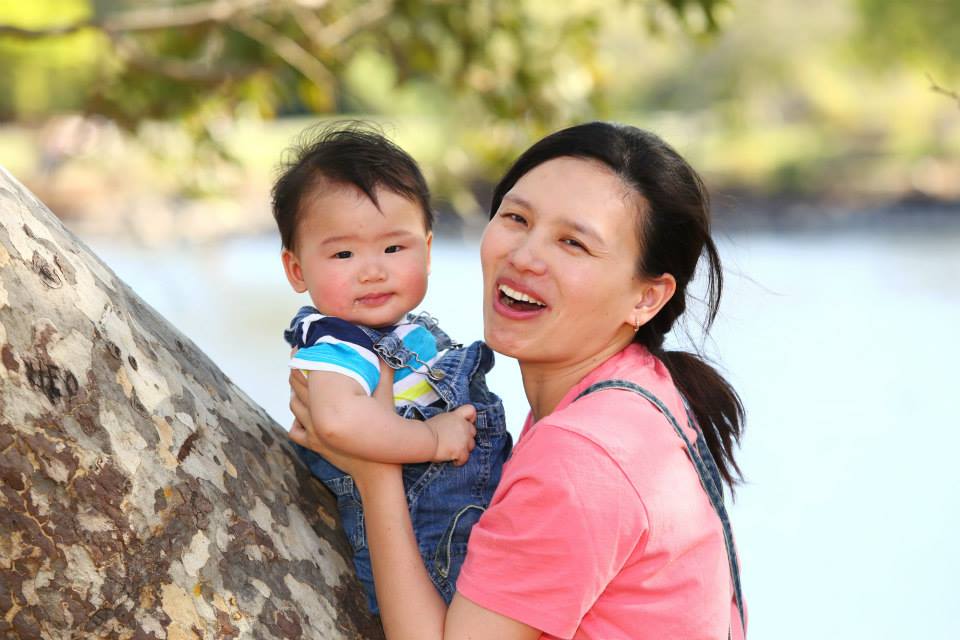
(343, 255)
(393, 248)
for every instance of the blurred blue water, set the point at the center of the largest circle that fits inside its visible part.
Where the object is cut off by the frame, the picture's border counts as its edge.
(843, 347)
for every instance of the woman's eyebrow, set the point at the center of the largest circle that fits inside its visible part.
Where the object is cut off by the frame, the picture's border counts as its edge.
(583, 229)
(517, 200)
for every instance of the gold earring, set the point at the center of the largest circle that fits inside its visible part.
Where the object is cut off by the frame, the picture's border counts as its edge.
(636, 325)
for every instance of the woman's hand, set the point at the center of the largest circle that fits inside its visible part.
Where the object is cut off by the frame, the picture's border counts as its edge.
(303, 433)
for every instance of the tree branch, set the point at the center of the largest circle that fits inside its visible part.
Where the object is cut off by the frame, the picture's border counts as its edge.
(151, 19)
(329, 36)
(936, 88)
(181, 70)
(188, 15)
(50, 32)
(287, 48)
(239, 14)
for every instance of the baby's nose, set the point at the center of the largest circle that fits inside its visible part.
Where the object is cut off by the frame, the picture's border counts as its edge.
(373, 271)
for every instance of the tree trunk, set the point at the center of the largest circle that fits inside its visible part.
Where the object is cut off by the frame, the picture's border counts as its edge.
(142, 494)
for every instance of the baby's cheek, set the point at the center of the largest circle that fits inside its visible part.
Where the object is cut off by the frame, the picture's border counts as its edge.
(418, 285)
(333, 294)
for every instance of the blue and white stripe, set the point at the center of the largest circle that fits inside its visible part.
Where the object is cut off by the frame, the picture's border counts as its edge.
(338, 356)
(328, 343)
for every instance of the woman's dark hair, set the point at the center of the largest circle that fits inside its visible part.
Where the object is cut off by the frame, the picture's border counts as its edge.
(674, 232)
(345, 153)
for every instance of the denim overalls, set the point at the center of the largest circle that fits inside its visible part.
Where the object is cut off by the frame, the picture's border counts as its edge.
(444, 501)
(706, 467)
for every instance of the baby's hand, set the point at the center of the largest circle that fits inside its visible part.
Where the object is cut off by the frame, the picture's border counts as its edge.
(455, 433)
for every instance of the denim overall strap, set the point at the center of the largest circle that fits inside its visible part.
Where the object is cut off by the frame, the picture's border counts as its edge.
(703, 449)
(706, 469)
(430, 323)
(395, 353)
(460, 366)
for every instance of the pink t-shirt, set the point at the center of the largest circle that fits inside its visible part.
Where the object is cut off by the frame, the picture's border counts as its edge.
(600, 528)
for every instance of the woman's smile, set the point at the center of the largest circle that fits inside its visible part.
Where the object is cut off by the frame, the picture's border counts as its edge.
(516, 301)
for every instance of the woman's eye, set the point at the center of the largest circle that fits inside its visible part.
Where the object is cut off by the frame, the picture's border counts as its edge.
(343, 255)
(514, 217)
(570, 242)
(392, 248)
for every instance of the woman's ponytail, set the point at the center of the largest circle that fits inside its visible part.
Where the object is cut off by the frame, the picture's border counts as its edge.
(715, 406)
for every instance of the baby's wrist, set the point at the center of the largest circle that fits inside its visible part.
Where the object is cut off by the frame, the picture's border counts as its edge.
(435, 439)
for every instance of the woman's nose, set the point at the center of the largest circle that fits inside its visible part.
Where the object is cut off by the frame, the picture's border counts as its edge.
(527, 256)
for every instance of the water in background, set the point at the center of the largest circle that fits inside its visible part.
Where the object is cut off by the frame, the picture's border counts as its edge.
(843, 347)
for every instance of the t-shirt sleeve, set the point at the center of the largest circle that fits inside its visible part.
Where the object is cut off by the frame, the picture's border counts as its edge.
(336, 346)
(561, 525)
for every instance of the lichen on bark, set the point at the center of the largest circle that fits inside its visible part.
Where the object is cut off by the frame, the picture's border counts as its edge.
(142, 494)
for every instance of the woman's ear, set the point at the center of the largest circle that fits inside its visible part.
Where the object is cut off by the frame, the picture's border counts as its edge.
(294, 270)
(654, 294)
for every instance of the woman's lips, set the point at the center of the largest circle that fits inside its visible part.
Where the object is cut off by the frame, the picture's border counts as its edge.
(374, 299)
(516, 302)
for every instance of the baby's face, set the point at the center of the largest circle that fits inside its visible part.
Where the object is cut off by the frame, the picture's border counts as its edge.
(361, 264)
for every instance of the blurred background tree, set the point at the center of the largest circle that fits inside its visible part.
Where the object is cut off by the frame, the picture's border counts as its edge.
(197, 62)
(170, 59)
(825, 99)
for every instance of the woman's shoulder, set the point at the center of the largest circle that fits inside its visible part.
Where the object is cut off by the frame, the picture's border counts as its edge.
(617, 421)
(627, 425)
(599, 404)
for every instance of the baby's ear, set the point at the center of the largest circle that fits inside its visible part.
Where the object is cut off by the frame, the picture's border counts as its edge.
(293, 269)
(429, 246)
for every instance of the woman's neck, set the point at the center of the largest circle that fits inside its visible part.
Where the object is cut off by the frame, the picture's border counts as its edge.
(545, 383)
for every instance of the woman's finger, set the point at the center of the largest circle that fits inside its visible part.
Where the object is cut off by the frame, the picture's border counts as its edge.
(301, 412)
(298, 384)
(297, 433)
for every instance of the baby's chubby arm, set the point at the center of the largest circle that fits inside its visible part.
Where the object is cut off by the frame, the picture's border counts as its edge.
(349, 420)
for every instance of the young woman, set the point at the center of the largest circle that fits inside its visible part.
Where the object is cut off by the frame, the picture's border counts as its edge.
(609, 519)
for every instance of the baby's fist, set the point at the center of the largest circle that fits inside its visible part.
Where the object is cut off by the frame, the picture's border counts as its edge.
(455, 434)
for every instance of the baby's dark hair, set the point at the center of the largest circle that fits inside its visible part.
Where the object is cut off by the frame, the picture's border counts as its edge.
(345, 153)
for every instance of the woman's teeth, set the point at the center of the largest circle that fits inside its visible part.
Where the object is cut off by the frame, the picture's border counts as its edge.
(516, 296)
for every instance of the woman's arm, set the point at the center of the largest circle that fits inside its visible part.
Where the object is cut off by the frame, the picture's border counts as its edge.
(410, 607)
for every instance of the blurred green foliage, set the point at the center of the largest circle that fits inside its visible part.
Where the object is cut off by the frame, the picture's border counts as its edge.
(520, 67)
(796, 96)
(919, 31)
(134, 61)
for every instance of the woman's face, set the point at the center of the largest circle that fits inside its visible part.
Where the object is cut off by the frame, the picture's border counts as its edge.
(559, 262)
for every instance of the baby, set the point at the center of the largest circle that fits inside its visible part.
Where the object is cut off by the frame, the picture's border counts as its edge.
(353, 211)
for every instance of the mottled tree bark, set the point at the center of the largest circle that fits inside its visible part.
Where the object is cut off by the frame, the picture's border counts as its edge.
(142, 495)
